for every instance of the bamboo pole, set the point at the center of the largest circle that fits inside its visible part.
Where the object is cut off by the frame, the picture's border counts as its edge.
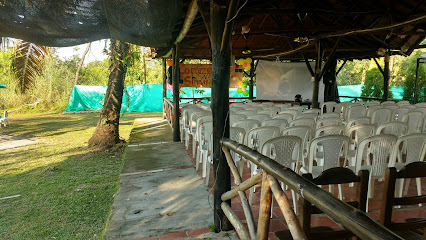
(242, 187)
(264, 209)
(244, 201)
(232, 217)
(289, 215)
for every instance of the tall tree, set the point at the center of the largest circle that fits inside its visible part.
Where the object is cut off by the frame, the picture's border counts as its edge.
(107, 133)
(77, 73)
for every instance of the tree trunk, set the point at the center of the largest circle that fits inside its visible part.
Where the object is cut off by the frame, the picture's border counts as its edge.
(144, 65)
(77, 73)
(106, 133)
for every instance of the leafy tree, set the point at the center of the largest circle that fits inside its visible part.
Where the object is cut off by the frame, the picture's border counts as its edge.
(373, 86)
(408, 76)
(351, 73)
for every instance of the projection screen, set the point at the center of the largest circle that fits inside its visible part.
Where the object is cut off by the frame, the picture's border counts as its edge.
(280, 81)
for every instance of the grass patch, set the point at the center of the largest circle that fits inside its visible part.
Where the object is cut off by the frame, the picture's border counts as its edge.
(66, 188)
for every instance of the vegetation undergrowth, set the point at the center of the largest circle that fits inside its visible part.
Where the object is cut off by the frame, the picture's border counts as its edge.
(66, 188)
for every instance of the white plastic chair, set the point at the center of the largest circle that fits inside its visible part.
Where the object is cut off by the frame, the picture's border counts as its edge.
(398, 113)
(280, 123)
(395, 128)
(303, 132)
(381, 116)
(372, 103)
(327, 107)
(380, 148)
(238, 135)
(387, 103)
(358, 121)
(236, 117)
(317, 111)
(372, 109)
(197, 136)
(287, 151)
(4, 121)
(286, 116)
(246, 124)
(414, 148)
(333, 148)
(294, 113)
(354, 112)
(356, 134)
(414, 121)
(247, 112)
(206, 132)
(270, 113)
(307, 115)
(302, 122)
(420, 109)
(330, 130)
(403, 103)
(328, 115)
(259, 117)
(327, 122)
(391, 107)
(185, 120)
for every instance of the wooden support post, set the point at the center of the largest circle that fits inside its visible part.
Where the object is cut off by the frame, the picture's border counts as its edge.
(251, 82)
(264, 209)
(386, 78)
(221, 58)
(175, 79)
(164, 86)
(317, 78)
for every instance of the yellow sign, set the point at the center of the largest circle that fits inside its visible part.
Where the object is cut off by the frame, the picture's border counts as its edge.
(200, 75)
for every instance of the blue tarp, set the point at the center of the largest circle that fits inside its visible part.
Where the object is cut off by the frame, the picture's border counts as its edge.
(355, 91)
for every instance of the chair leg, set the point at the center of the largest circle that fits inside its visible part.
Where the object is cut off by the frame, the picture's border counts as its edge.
(419, 188)
(407, 184)
(340, 191)
(197, 158)
(208, 172)
(194, 145)
(204, 162)
(398, 187)
(295, 201)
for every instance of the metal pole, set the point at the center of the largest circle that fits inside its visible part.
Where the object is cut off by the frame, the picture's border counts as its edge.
(417, 79)
(175, 79)
(386, 78)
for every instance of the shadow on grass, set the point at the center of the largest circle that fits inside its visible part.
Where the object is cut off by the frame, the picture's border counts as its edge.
(70, 199)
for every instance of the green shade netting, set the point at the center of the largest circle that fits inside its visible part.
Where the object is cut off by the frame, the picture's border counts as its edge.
(355, 91)
(136, 98)
(149, 97)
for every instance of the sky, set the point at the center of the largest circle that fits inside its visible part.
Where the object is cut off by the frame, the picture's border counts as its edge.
(95, 52)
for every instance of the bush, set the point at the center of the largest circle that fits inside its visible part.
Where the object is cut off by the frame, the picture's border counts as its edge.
(373, 85)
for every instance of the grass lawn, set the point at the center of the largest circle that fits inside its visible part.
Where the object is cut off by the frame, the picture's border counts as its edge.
(67, 189)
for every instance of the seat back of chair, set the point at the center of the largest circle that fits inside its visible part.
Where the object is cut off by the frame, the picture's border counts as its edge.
(412, 170)
(280, 123)
(285, 150)
(338, 175)
(381, 116)
(394, 128)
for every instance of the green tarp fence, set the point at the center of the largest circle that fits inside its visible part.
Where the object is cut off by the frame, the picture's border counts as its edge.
(136, 98)
(355, 91)
(149, 97)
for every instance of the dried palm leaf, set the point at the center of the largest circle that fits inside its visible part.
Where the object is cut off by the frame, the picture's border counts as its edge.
(28, 62)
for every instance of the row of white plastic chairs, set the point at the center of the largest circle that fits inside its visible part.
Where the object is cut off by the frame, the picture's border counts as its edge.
(363, 147)
(200, 114)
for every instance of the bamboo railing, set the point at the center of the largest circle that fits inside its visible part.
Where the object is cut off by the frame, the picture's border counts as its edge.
(168, 111)
(352, 219)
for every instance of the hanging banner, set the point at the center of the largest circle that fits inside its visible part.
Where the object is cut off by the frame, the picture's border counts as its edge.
(200, 75)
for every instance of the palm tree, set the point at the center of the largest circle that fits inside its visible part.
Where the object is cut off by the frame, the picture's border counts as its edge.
(28, 63)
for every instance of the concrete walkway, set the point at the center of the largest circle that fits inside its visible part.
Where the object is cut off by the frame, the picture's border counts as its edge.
(161, 196)
(9, 141)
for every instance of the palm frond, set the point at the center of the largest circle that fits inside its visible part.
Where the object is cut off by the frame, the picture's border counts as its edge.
(28, 62)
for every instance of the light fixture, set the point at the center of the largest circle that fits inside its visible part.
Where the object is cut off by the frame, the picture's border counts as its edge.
(246, 49)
